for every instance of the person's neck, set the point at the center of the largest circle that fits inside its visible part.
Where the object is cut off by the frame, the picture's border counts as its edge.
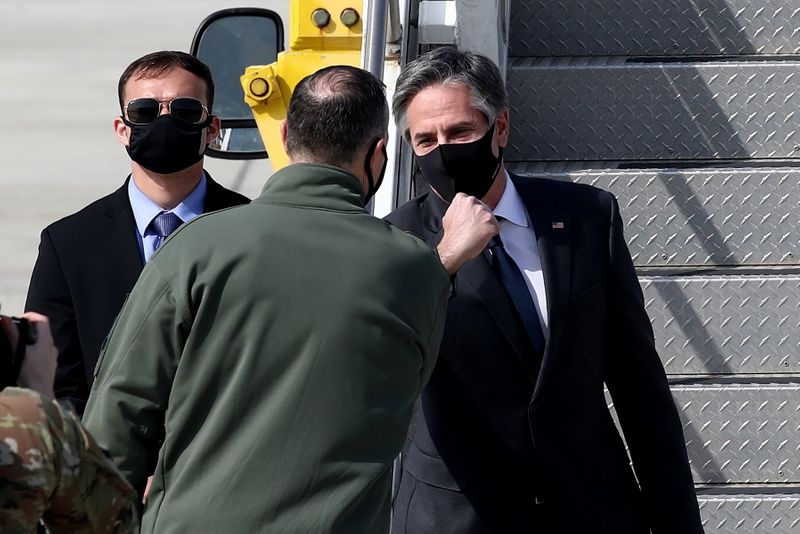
(495, 192)
(167, 190)
(353, 169)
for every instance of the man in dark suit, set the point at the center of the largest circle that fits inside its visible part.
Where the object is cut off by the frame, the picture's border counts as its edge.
(512, 433)
(89, 261)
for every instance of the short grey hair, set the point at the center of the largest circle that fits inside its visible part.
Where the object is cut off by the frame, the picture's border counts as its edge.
(447, 65)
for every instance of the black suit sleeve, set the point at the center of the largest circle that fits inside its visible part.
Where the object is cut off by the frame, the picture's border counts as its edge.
(638, 385)
(49, 294)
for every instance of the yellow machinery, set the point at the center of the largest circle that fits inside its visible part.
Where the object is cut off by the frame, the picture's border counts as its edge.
(322, 33)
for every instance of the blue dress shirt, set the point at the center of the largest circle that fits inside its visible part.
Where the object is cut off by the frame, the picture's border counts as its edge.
(145, 210)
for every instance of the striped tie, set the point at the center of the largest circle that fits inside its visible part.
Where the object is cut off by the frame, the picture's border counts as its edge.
(164, 224)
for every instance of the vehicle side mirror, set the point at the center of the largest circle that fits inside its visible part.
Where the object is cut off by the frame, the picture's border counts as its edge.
(228, 41)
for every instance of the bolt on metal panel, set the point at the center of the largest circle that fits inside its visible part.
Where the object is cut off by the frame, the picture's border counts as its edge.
(725, 324)
(750, 514)
(741, 434)
(653, 27)
(696, 218)
(600, 110)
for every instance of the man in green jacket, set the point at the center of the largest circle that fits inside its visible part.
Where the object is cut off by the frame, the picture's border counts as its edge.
(266, 364)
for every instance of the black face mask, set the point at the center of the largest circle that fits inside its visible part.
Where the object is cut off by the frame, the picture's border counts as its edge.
(374, 184)
(166, 144)
(468, 168)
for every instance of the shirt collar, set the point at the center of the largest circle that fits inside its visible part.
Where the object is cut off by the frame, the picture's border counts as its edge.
(510, 206)
(145, 210)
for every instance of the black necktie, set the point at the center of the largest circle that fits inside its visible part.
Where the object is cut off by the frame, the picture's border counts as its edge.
(164, 224)
(517, 289)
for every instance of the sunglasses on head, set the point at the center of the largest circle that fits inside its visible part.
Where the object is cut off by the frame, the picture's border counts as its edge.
(146, 110)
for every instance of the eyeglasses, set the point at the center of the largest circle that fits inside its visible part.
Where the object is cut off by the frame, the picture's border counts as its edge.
(146, 110)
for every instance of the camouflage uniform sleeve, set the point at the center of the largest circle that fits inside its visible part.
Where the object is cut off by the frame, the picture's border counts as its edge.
(51, 468)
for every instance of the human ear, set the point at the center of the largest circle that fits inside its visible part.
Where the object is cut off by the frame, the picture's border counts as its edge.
(501, 129)
(121, 131)
(213, 129)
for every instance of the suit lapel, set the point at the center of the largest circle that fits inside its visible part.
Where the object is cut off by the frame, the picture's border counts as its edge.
(119, 228)
(478, 276)
(553, 226)
(119, 232)
(215, 200)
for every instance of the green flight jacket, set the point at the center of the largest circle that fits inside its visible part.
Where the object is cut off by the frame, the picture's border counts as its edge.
(266, 364)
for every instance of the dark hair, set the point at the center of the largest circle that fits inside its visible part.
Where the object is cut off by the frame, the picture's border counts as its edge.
(335, 112)
(157, 63)
(447, 65)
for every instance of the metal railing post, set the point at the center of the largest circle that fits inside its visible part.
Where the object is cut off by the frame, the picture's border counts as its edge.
(374, 40)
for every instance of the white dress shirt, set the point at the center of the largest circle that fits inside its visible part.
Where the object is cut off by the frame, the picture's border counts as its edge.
(519, 240)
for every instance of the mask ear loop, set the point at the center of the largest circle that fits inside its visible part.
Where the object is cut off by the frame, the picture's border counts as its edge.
(499, 162)
(371, 187)
(206, 123)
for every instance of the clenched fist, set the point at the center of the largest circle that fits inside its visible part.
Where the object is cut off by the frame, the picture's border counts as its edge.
(468, 226)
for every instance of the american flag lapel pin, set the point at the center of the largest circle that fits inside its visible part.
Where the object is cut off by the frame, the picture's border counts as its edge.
(558, 225)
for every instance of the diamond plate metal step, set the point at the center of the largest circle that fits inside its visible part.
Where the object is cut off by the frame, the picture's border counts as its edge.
(600, 84)
(725, 324)
(653, 27)
(750, 514)
(695, 218)
(573, 111)
(741, 434)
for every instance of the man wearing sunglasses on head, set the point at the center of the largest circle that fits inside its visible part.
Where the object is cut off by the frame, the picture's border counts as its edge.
(89, 261)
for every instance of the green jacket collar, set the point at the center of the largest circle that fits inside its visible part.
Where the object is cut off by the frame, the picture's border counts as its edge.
(313, 186)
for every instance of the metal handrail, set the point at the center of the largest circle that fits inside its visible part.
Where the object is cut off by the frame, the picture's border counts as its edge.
(374, 40)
